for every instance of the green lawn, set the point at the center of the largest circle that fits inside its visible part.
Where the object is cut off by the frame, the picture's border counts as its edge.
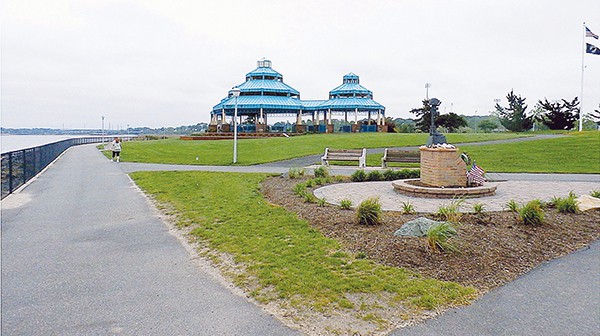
(285, 256)
(256, 151)
(576, 153)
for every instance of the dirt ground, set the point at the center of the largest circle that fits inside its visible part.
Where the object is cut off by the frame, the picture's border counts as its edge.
(494, 247)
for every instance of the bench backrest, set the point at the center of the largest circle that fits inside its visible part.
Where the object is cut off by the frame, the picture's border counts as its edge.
(344, 152)
(399, 153)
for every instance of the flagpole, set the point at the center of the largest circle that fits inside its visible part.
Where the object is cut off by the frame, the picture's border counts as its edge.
(582, 71)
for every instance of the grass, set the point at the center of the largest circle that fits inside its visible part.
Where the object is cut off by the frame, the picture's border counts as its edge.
(284, 257)
(256, 151)
(576, 153)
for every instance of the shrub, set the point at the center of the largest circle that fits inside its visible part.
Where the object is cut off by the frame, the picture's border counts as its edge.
(451, 211)
(512, 206)
(408, 208)
(374, 175)
(478, 208)
(309, 197)
(407, 174)
(438, 237)
(358, 176)
(595, 193)
(299, 189)
(322, 171)
(369, 211)
(346, 204)
(532, 213)
(321, 202)
(568, 204)
(295, 172)
(310, 183)
(389, 175)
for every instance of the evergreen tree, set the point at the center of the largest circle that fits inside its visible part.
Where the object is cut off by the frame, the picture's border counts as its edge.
(423, 120)
(595, 116)
(514, 117)
(559, 115)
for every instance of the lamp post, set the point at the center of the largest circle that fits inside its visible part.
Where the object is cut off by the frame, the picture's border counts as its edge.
(236, 93)
(102, 129)
(427, 86)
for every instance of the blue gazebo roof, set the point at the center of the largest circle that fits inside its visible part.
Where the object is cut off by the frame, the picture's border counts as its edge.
(351, 88)
(264, 89)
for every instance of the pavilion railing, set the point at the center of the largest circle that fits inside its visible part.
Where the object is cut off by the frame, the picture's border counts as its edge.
(20, 166)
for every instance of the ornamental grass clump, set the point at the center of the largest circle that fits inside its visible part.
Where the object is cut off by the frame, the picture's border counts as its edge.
(531, 213)
(295, 172)
(369, 211)
(407, 208)
(322, 172)
(438, 237)
(595, 193)
(568, 204)
(451, 211)
(346, 204)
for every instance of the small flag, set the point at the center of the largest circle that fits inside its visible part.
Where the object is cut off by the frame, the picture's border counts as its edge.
(592, 49)
(475, 175)
(588, 33)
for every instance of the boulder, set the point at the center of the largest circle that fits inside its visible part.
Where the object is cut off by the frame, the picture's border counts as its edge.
(416, 228)
(587, 202)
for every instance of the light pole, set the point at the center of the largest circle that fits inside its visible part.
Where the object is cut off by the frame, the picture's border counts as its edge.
(102, 129)
(427, 86)
(236, 92)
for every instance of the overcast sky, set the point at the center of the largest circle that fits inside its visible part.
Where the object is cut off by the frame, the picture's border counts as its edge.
(166, 63)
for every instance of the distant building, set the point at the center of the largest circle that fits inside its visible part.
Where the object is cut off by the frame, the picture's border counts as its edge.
(264, 94)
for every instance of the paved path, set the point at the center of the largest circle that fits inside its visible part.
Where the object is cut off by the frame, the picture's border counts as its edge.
(561, 297)
(84, 254)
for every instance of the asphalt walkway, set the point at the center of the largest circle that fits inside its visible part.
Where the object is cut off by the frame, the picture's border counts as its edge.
(83, 253)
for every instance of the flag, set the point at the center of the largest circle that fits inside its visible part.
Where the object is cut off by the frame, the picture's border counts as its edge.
(588, 33)
(475, 175)
(592, 49)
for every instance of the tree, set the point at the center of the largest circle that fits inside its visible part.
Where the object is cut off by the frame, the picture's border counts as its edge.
(423, 120)
(451, 121)
(487, 125)
(559, 115)
(514, 117)
(595, 116)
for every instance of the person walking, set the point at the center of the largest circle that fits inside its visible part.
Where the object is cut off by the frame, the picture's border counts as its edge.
(115, 146)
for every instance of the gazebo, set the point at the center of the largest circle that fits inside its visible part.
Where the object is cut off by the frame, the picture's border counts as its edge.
(265, 94)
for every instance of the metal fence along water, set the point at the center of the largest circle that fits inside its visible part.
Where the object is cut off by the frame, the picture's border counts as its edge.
(20, 166)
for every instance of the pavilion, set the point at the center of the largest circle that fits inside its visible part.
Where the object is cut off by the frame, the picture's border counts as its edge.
(264, 94)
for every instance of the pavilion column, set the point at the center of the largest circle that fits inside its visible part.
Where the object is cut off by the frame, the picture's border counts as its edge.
(356, 115)
(346, 116)
(313, 117)
(214, 120)
(299, 118)
(261, 114)
(222, 116)
(378, 117)
(329, 116)
(369, 118)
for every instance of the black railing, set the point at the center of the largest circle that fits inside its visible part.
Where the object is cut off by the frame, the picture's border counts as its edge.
(20, 166)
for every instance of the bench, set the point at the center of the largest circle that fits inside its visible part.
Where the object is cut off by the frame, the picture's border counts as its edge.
(398, 155)
(359, 155)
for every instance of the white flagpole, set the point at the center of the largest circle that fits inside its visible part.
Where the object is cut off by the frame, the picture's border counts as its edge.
(582, 71)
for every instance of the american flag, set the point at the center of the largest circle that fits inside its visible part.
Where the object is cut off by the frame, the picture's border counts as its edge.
(588, 33)
(475, 175)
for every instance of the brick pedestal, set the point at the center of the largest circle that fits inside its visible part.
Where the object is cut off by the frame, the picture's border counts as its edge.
(443, 168)
(382, 128)
(226, 128)
(355, 128)
(329, 128)
(300, 128)
(261, 128)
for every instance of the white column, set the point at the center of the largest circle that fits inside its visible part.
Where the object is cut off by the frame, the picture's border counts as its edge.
(356, 115)
(261, 114)
(223, 116)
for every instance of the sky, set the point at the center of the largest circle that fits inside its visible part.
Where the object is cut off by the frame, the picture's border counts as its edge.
(65, 64)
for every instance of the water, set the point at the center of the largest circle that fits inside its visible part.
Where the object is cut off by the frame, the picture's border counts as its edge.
(15, 142)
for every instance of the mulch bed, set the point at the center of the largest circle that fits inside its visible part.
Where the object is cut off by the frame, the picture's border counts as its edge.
(494, 247)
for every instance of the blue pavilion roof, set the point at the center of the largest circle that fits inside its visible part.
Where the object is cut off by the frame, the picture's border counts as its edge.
(276, 103)
(265, 85)
(264, 88)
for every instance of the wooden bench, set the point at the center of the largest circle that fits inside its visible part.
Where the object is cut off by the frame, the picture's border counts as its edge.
(359, 155)
(398, 155)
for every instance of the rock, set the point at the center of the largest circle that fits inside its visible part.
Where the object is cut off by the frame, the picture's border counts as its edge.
(416, 228)
(587, 202)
